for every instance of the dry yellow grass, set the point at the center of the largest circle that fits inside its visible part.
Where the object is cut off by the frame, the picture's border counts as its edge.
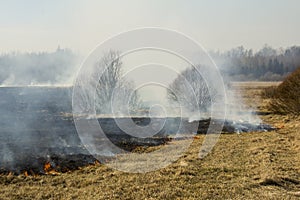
(246, 166)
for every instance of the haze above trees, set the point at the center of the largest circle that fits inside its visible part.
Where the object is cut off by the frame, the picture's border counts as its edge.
(60, 66)
(268, 64)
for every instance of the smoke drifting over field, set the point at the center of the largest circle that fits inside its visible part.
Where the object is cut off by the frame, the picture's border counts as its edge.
(36, 123)
(43, 68)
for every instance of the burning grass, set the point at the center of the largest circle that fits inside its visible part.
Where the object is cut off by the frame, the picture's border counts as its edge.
(253, 165)
(246, 166)
(43, 159)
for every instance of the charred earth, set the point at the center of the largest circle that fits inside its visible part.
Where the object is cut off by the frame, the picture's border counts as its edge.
(37, 131)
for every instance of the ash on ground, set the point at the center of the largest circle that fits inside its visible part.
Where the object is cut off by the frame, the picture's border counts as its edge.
(35, 129)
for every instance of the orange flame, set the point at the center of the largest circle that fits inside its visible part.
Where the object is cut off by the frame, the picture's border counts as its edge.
(96, 162)
(47, 167)
(26, 173)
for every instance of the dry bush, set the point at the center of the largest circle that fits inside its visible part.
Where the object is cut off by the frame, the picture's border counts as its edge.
(286, 97)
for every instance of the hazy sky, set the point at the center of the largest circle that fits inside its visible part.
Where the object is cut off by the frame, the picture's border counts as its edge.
(35, 25)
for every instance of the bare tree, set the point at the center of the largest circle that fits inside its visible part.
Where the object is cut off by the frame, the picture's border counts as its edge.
(112, 89)
(190, 90)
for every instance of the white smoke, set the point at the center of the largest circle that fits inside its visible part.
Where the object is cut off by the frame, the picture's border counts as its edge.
(41, 68)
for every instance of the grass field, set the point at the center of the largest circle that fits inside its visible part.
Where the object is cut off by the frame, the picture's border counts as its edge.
(256, 165)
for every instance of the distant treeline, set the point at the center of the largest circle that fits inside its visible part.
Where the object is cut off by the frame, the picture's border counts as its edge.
(267, 64)
(60, 66)
(56, 67)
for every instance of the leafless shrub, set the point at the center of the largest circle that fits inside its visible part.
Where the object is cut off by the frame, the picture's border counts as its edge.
(190, 90)
(111, 83)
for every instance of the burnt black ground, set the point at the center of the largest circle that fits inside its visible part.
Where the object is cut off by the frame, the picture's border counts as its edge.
(34, 129)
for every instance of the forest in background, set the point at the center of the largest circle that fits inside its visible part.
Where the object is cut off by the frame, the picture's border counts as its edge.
(60, 66)
(267, 64)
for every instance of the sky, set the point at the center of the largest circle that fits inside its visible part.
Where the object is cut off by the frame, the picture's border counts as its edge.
(81, 25)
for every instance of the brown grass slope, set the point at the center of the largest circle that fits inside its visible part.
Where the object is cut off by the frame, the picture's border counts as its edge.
(286, 97)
